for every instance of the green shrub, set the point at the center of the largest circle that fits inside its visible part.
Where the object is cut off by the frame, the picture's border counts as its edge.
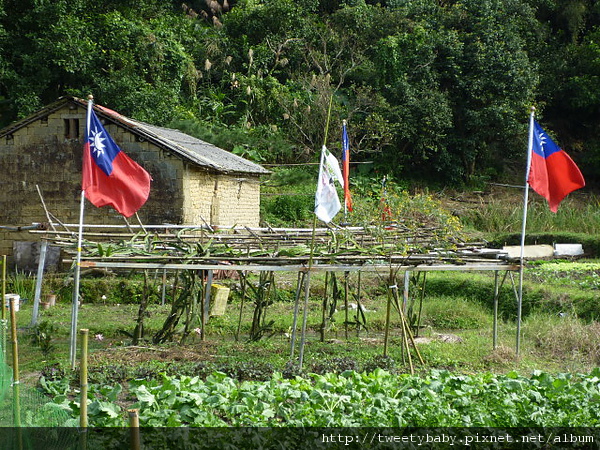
(288, 210)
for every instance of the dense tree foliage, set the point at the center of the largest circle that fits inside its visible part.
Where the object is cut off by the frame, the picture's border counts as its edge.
(432, 89)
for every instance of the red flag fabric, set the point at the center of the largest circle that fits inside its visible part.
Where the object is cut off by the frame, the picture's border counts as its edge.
(110, 177)
(346, 167)
(553, 174)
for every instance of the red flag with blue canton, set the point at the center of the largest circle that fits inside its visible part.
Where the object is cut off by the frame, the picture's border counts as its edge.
(553, 174)
(346, 167)
(110, 177)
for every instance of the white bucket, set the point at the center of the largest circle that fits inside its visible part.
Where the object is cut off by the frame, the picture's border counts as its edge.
(17, 301)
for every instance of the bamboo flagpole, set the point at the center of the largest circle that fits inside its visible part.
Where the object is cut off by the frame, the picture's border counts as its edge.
(325, 214)
(524, 227)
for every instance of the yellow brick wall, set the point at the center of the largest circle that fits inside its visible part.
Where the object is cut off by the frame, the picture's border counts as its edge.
(221, 200)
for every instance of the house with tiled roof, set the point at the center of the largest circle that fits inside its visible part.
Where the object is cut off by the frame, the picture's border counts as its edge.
(194, 182)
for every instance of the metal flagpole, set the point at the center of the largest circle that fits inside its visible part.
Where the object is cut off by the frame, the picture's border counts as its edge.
(75, 306)
(522, 257)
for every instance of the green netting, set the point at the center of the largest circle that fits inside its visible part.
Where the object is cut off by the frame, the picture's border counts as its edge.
(25, 412)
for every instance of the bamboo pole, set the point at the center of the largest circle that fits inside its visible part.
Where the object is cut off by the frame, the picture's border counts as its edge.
(270, 291)
(39, 281)
(407, 333)
(388, 311)
(306, 295)
(15, 357)
(134, 429)
(205, 304)
(301, 276)
(83, 370)
(324, 307)
(495, 325)
(346, 304)
(164, 288)
(243, 281)
(405, 341)
(421, 303)
(406, 291)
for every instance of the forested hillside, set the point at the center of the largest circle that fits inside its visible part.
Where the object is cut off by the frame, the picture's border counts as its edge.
(432, 89)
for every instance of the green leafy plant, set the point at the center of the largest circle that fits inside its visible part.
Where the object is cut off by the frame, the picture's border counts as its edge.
(42, 335)
(351, 399)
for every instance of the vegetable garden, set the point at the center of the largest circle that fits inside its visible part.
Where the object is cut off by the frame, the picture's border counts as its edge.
(239, 389)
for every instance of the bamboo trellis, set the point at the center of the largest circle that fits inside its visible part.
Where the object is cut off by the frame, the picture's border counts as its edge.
(375, 249)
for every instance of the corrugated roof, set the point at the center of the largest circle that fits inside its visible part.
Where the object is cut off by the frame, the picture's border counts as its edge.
(201, 153)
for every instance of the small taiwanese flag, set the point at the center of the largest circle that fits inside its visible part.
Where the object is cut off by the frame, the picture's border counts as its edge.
(110, 177)
(553, 174)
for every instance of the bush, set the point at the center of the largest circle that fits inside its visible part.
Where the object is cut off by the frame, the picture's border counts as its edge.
(286, 210)
(109, 290)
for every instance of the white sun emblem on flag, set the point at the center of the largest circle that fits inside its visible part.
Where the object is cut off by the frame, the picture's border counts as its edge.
(98, 142)
(542, 138)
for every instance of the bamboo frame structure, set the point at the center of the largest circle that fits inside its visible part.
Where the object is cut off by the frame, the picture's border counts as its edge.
(380, 250)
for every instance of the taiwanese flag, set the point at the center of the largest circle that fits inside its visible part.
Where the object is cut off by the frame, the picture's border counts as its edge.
(346, 167)
(553, 174)
(110, 177)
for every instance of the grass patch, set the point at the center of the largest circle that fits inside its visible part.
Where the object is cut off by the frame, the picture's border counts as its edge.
(502, 212)
(564, 337)
(455, 313)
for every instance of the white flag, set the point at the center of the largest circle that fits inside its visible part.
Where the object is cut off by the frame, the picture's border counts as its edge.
(327, 202)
